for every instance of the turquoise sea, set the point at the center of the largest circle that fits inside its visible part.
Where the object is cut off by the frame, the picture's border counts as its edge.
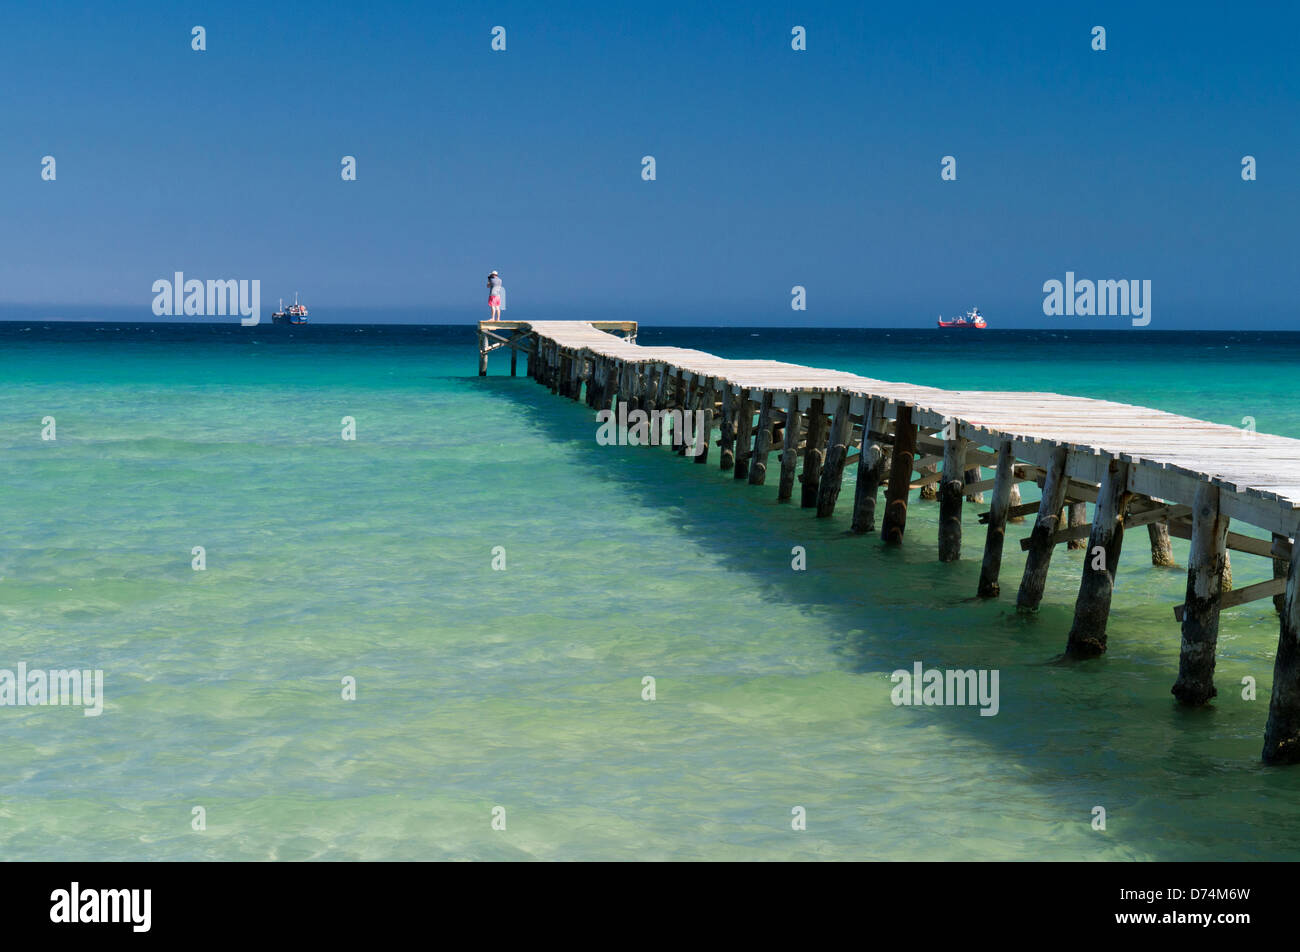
(522, 688)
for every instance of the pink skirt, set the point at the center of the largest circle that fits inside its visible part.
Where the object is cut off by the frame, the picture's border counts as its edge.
(494, 301)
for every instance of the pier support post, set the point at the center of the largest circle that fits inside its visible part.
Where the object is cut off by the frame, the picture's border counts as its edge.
(482, 354)
(1195, 684)
(689, 397)
(1003, 481)
(951, 491)
(841, 438)
(930, 491)
(1039, 555)
(813, 454)
(678, 403)
(871, 470)
(789, 449)
(973, 474)
(727, 434)
(1100, 562)
(1076, 515)
(1014, 499)
(900, 476)
(1162, 550)
(744, 434)
(514, 360)
(705, 434)
(1280, 567)
(1282, 736)
(762, 441)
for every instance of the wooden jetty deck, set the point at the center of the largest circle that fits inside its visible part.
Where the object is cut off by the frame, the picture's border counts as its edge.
(1138, 467)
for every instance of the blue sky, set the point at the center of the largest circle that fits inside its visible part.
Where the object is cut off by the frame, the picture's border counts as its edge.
(775, 168)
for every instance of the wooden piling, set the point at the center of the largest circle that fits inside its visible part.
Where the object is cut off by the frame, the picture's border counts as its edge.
(929, 490)
(894, 522)
(1014, 500)
(1092, 608)
(705, 434)
(1076, 515)
(1162, 550)
(837, 452)
(1282, 735)
(727, 437)
(973, 474)
(871, 471)
(1280, 566)
(744, 434)
(789, 449)
(1004, 480)
(690, 396)
(951, 491)
(482, 355)
(514, 359)
(813, 454)
(762, 441)
(1195, 684)
(1039, 553)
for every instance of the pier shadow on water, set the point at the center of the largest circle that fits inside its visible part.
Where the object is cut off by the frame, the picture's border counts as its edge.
(1176, 783)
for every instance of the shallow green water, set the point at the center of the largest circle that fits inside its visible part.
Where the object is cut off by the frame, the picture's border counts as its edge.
(522, 688)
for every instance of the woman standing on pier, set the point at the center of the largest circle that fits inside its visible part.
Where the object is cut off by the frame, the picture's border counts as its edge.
(496, 296)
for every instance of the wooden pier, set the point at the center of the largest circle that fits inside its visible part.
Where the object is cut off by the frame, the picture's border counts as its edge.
(1139, 467)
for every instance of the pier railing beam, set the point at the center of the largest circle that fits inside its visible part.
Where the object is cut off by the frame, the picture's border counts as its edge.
(1003, 480)
(841, 438)
(1100, 562)
(762, 441)
(1282, 736)
(1039, 555)
(813, 454)
(951, 493)
(871, 470)
(1195, 684)
(894, 522)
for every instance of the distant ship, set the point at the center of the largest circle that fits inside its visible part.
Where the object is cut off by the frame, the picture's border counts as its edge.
(295, 313)
(973, 318)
